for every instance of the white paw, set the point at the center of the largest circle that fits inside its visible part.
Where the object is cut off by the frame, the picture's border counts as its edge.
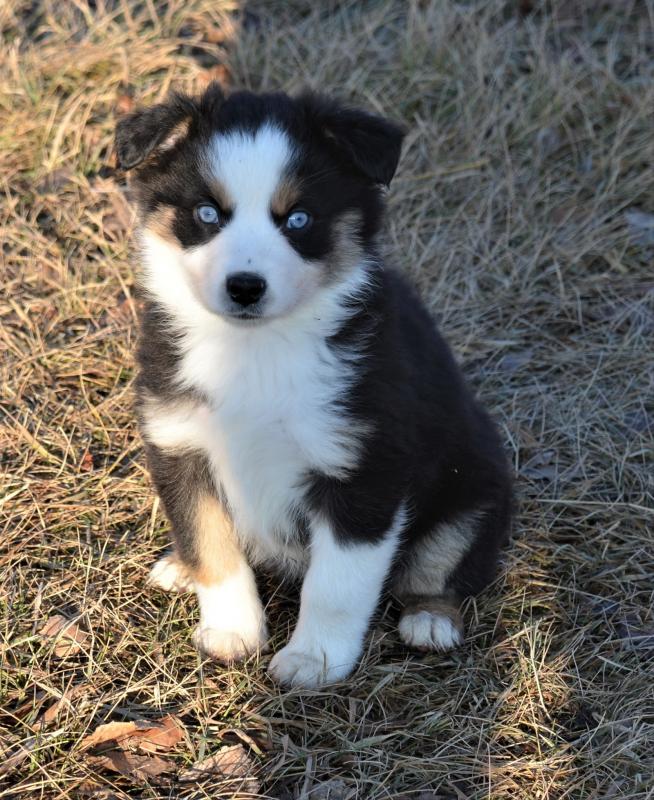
(170, 575)
(426, 631)
(228, 646)
(232, 621)
(310, 666)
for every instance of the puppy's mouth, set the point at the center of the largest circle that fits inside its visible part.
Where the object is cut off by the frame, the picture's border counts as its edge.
(245, 316)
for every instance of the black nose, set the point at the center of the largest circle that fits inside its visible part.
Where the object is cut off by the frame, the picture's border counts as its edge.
(245, 288)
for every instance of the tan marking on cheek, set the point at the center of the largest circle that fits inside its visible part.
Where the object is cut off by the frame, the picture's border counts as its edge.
(347, 250)
(285, 196)
(216, 546)
(160, 222)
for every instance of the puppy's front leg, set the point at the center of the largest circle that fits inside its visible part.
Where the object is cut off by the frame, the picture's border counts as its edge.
(339, 595)
(232, 623)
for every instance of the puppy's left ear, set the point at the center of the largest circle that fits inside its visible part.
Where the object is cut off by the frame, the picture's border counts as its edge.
(369, 142)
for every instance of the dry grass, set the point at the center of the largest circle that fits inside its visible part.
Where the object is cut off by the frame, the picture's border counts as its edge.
(529, 153)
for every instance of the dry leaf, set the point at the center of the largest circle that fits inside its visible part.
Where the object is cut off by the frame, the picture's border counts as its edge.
(29, 705)
(222, 34)
(69, 637)
(219, 34)
(147, 736)
(229, 762)
(220, 73)
(135, 766)
(167, 732)
(111, 731)
(124, 101)
(95, 790)
(257, 741)
(86, 462)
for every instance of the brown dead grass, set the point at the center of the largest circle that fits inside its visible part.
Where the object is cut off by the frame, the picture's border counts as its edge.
(522, 209)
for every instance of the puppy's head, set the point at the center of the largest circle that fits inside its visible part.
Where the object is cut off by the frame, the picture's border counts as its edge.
(256, 202)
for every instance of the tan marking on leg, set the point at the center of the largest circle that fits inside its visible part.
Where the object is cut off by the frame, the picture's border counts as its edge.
(232, 623)
(431, 562)
(216, 547)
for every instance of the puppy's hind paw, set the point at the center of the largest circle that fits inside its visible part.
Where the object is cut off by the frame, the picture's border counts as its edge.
(431, 625)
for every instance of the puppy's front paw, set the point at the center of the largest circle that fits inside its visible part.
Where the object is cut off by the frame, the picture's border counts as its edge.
(170, 575)
(309, 666)
(229, 646)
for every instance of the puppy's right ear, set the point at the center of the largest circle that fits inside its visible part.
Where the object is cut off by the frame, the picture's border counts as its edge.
(144, 130)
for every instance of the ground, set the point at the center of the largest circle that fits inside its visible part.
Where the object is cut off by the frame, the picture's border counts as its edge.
(523, 209)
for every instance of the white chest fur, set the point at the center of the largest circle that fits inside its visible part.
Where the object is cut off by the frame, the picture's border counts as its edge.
(272, 414)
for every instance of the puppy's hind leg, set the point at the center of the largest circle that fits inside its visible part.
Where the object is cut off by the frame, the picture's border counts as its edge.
(436, 576)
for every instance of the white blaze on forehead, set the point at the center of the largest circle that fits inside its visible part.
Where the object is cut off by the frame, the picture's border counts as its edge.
(250, 165)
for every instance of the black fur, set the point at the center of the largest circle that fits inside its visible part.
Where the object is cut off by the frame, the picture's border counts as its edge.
(180, 480)
(432, 443)
(158, 353)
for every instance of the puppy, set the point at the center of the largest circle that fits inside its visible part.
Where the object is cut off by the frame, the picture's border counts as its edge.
(299, 409)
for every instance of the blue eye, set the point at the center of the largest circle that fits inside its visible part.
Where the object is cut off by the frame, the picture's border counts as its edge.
(297, 220)
(207, 214)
